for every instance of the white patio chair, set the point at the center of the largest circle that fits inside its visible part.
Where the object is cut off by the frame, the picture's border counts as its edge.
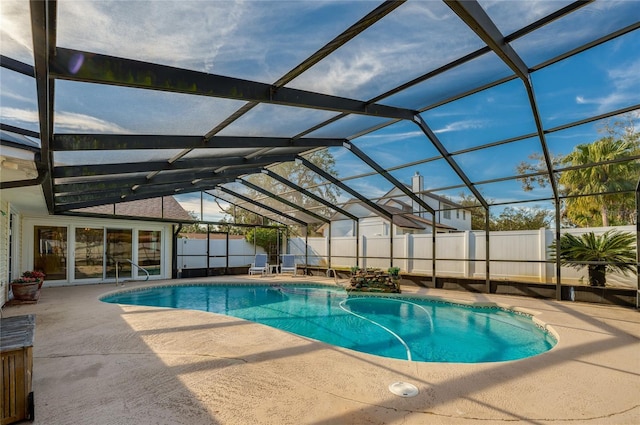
(288, 264)
(259, 265)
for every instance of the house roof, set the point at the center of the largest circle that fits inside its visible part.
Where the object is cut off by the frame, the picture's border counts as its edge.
(401, 218)
(166, 207)
(438, 198)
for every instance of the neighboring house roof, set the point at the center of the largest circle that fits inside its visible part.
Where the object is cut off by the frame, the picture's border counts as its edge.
(438, 198)
(166, 207)
(404, 206)
(407, 220)
(401, 218)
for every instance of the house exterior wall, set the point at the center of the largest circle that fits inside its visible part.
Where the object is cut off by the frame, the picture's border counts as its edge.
(459, 219)
(340, 228)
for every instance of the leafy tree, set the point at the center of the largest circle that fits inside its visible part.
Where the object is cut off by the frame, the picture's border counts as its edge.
(607, 177)
(521, 219)
(300, 175)
(610, 252)
(194, 227)
(511, 218)
(617, 170)
(265, 237)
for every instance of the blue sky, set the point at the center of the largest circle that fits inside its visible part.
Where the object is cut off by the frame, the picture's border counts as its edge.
(262, 40)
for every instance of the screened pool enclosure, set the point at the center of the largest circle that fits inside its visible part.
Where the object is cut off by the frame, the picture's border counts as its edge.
(317, 118)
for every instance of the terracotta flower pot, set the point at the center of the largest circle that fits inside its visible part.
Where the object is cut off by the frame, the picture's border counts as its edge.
(26, 291)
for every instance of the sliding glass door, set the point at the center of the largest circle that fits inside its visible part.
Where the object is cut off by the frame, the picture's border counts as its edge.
(119, 247)
(50, 251)
(89, 253)
(149, 251)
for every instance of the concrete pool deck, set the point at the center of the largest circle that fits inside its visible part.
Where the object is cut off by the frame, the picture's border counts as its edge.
(99, 363)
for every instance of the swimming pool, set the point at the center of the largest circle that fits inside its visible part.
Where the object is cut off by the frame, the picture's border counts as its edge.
(397, 327)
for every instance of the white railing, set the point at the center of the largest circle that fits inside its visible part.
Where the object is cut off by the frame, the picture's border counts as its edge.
(133, 264)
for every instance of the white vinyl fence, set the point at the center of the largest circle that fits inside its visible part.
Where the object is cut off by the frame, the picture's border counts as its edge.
(193, 254)
(515, 255)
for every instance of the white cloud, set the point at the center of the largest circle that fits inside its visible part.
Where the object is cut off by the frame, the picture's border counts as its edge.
(624, 80)
(64, 120)
(460, 125)
(85, 123)
(380, 139)
(20, 115)
(15, 30)
(152, 31)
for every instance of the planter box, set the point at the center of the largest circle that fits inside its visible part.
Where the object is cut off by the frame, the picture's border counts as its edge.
(16, 352)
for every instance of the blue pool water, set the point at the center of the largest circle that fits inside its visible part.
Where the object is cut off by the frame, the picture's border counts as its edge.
(402, 328)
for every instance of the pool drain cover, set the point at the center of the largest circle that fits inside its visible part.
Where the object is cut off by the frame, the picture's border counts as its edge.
(403, 389)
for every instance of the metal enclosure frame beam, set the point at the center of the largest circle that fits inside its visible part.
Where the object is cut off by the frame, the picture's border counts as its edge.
(477, 20)
(87, 142)
(282, 200)
(382, 212)
(259, 205)
(384, 173)
(246, 209)
(202, 164)
(43, 29)
(112, 70)
(448, 157)
(309, 194)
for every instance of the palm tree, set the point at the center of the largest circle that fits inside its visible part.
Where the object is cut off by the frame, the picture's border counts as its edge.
(605, 171)
(613, 251)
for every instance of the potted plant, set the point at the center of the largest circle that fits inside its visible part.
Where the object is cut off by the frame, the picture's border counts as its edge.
(394, 271)
(35, 274)
(27, 287)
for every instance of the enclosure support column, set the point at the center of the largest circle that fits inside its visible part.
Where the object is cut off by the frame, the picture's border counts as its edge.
(306, 250)
(288, 236)
(329, 250)
(487, 268)
(638, 245)
(358, 243)
(391, 242)
(208, 243)
(174, 254)
(558, 267)
(433, 250)
(226, 267)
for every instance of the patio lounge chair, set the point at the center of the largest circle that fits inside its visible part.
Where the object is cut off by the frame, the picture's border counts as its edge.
(259, 265)
(288, 264)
